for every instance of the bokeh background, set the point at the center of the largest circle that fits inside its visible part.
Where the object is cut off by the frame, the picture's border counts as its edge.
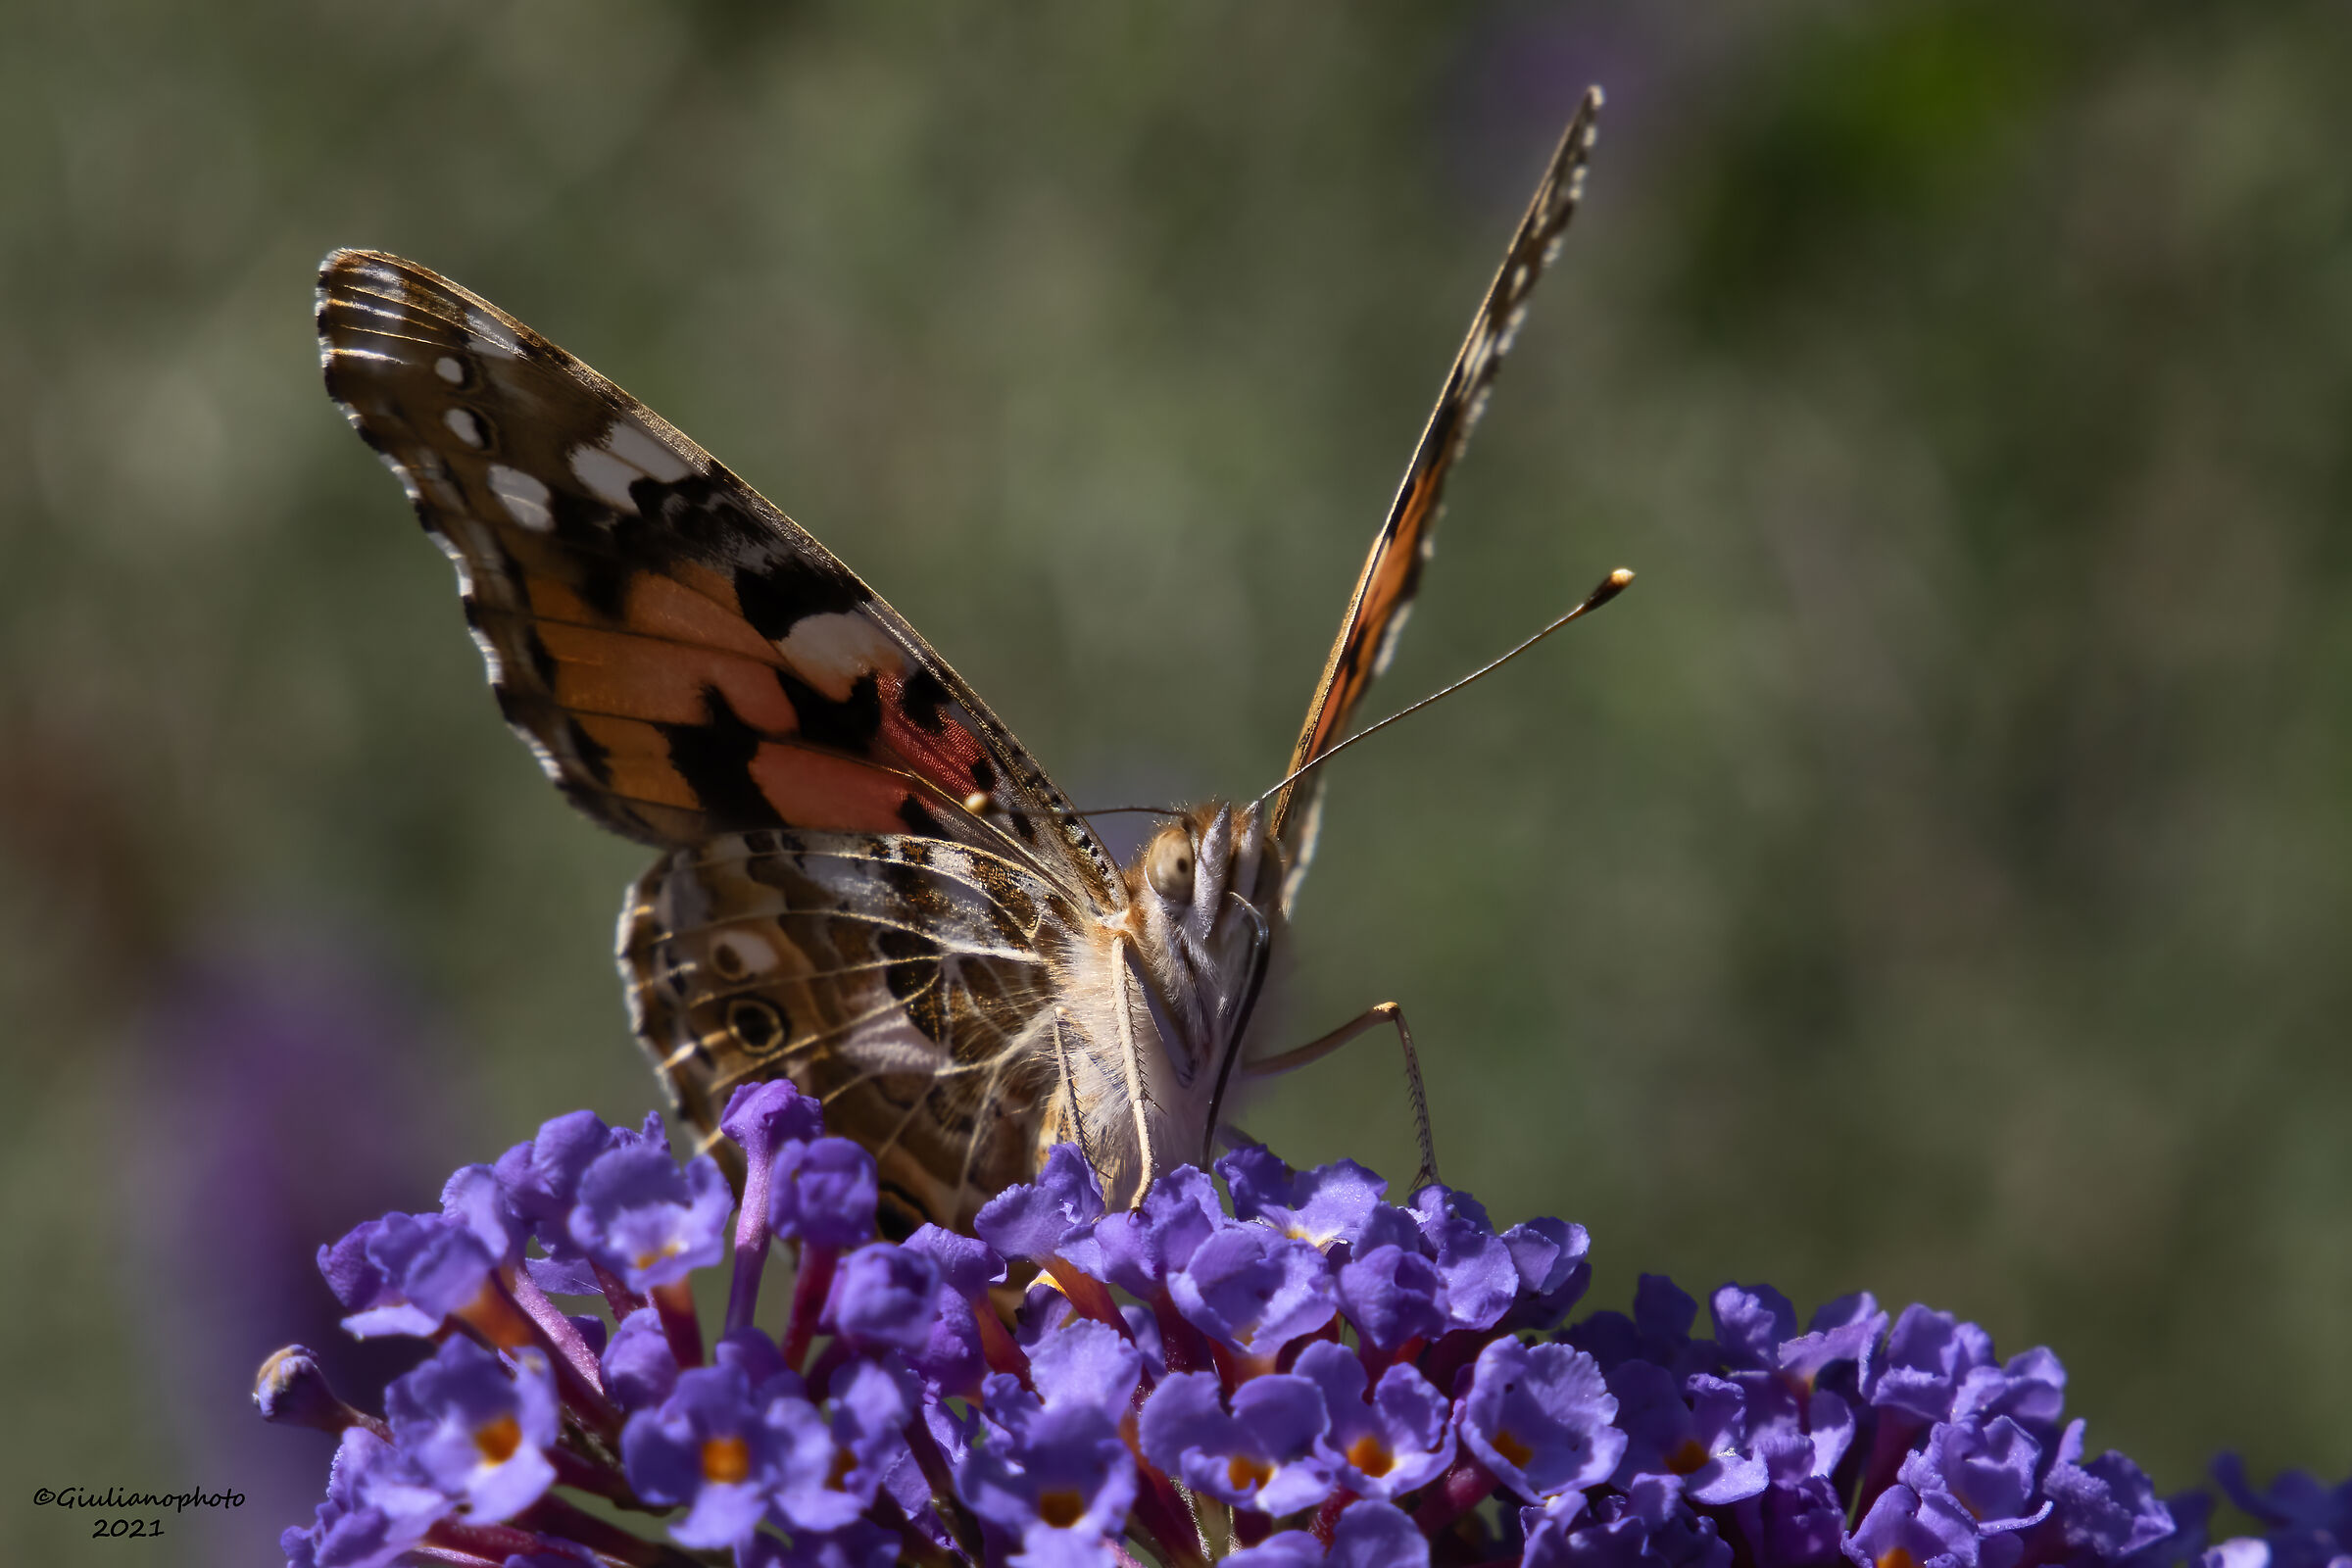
(1932, 877)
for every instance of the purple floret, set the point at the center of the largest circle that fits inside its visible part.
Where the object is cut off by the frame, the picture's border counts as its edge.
(837, 1458)
(1323, 1206)
(1482, 1279)
(1927, 1356)
(540, 1182)
(1034, 1220)
(885, 1295)
(639, 1367)
(1254, 1290)
(1987, 1467)
(1932, 1531)
(2108, 1505)
(1380, 1442)
(1549, 1254)
(1087, 1363)
(1139, 1248)
(823, 1193)
(1658, 1330)
(1264, 1455)
(711, 1448)
(1393, 1296)
(424, 1268)
(1051, 1468)
(478, 1430)
(1693, 1436)
(648, 1221)
(761, 1117)
(1377, 1535)
(378, 1504)
(1537, 1416)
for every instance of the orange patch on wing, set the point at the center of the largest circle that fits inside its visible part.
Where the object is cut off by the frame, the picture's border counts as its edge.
(1384, 590)
(701, 610)
(713, 585)
(819, 790)
(637, 761)
(552, 598)
(633, 676)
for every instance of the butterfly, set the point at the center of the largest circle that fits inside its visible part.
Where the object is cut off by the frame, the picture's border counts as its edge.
(865, 883)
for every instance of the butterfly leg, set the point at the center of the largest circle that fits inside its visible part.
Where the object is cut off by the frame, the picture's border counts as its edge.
(1135, 1079)
(1069, 1089)
(1316, 1049)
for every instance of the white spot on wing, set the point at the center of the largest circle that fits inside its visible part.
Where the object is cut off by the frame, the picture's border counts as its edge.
(449, 370)
(465, 428)
(606, 475)
(830, 651)
(524, 496)
(643, 453)
(744, 952)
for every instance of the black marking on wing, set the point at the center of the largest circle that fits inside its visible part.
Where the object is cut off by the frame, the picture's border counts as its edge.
(922, 695)
(848, 724)
(777, 598)
(758, 1024)
(715, 759)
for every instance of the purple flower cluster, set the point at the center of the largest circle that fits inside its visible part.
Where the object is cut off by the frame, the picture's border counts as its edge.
(1295, 1372)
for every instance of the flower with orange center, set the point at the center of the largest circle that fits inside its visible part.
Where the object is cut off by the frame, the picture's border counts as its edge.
(726, 1460)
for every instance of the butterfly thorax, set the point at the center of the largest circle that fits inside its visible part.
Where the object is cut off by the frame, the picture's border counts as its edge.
(1159, 995)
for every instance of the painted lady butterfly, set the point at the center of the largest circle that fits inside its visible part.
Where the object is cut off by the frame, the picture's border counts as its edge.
(865, 882)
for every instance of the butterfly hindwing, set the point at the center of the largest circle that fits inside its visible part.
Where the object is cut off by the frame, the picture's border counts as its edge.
(1391, 572)
(906, 983)
(684, 658)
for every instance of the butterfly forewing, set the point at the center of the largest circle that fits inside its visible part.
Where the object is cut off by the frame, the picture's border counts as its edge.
(1391, 572)
(684, 658)
(869, 882)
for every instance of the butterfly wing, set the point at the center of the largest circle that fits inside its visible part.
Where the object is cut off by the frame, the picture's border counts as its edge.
(908, 983)
(868, 885)
(1384, 590)
(684, 660)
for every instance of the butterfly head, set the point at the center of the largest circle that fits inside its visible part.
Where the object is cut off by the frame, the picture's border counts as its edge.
(1202, 890)
(1188, 873)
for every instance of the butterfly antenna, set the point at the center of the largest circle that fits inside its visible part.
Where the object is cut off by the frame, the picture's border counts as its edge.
(1611, 587)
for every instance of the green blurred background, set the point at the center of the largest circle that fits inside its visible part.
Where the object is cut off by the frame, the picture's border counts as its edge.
(1932, 877)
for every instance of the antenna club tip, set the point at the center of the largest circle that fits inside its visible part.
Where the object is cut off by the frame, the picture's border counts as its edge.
(1611, 587)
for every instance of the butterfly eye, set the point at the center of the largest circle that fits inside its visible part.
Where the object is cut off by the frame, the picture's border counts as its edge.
(755, 1025)
(1169, 866)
